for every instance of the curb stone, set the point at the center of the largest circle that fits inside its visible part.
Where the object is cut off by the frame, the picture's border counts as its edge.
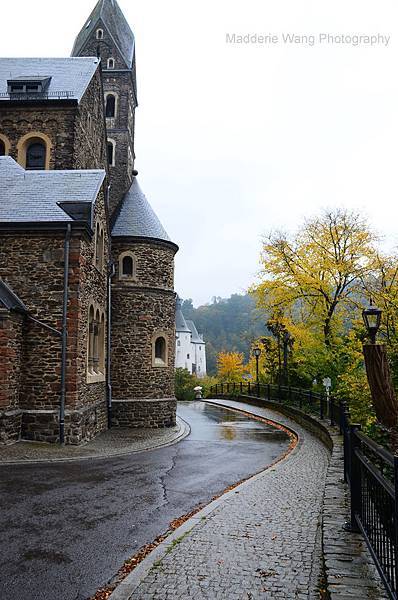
(183, 431)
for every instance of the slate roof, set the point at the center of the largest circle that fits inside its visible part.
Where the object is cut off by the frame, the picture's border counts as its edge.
(195, 338)
(136, 218)
(9, 300)
(33, 196)
(67, 74)
(114, 20)
(181, 324)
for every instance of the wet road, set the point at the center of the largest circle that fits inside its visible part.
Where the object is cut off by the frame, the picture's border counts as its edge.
(66, 528)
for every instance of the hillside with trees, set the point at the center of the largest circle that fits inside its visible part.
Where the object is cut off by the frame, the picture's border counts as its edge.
(228, 325)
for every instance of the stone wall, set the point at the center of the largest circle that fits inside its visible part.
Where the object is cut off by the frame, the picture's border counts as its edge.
(75, 133)
(10, 375)
(90, 150)
(151, 414)
(33, 265)
(55, 122)
(141, 308)
(121, 128)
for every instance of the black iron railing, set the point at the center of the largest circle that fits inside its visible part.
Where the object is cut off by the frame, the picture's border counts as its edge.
(60, 95)
(369, 469)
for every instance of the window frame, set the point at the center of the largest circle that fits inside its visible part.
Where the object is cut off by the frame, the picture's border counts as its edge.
(122, 276)
(111, 142)
(25, 141)
(158, 362)
(29, 145)
(95, 362)
(99, 247)
(99, 34)
(115, 107)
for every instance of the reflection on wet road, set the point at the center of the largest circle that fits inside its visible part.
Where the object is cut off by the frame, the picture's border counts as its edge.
(68, 527)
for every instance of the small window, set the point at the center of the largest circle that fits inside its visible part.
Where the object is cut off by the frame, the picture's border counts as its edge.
(96, 344)
(127, 266)
(99, 247)
(111, 154)
(160, 350)
(178, 343)
(2, 148)
(110, 107)
(111, 63)
(188, 356)
(100, 34)
(36, 156)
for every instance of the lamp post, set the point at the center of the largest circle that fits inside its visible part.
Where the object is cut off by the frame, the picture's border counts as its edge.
(256, 354)
(372, 319)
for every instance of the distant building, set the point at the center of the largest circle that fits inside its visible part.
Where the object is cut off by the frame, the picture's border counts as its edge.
(190, 346)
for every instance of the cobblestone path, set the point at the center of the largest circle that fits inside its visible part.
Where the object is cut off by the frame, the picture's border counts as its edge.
(262, 542)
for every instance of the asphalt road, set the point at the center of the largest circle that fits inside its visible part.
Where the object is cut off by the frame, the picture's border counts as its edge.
(66, 528)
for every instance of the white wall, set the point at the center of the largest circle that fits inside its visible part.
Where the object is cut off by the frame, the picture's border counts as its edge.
(184, 356)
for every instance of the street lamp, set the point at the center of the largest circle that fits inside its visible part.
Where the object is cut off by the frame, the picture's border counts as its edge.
(256, 354)
(372, 319)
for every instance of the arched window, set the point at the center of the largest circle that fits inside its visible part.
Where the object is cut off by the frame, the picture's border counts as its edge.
(110, 106)
(100, 34)
(160, 349)
(99, 247)
(111, 63)
(2, 148)
(111, 152)
(36, 156)
(96, 345)
(90, 352)
(127, 266)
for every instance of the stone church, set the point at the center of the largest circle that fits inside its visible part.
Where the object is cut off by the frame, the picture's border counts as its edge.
(87, 301)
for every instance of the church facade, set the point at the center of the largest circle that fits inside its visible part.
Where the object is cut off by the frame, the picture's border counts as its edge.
(87, 301)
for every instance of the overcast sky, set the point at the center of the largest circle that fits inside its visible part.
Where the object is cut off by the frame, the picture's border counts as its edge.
(235, 139)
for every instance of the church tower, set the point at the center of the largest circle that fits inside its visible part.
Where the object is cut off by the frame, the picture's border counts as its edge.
(142, 291)
(107, 34)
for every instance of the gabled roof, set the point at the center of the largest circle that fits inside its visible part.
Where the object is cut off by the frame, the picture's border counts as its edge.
(195, 337)
(181, 324)
(9, 300)
(111, 15)
(136, 218)
(37, 196)
(70, 77)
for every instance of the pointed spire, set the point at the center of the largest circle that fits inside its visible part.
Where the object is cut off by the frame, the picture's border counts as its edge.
(113, 19)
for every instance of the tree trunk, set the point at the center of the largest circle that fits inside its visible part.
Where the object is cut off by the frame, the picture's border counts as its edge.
(380, 383)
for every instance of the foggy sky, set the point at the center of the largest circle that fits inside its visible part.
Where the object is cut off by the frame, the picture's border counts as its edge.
(236, 139)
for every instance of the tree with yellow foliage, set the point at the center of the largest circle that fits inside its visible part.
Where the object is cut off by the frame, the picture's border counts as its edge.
(316, 277)
(230, 366)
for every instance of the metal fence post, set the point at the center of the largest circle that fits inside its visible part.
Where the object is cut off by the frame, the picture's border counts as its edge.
(355, 477)
(300, 399)
(342, 406)
(332, 405)
(269, 391)
(241, 387)
(222, 388)
(396, 514)
(248, 388)
(321, 406)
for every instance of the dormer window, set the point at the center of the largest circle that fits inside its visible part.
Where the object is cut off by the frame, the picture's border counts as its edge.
(28, 85)
(100, 34)
(111, 63)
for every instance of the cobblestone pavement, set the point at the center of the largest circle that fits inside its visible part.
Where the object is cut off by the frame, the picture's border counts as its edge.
(113, 442)
(263, 541)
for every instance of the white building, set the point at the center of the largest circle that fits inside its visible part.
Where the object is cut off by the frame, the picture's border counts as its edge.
(190, 346)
